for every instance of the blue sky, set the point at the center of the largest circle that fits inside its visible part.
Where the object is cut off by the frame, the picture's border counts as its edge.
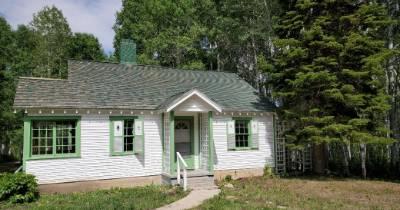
(90, 16)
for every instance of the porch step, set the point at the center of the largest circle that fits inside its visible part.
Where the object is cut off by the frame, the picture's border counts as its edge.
(202, 183)
(197, 179)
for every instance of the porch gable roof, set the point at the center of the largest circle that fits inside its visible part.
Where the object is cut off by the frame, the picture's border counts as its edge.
(181, 98)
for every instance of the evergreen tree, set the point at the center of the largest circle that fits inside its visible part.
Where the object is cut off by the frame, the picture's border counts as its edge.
(329, 77)
(9, 122)
(25, 42)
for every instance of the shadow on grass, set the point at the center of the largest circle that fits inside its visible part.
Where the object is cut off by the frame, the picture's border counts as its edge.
(312, 177)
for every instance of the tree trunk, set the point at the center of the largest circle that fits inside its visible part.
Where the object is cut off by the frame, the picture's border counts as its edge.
(319, 158)
(363, 153)
(346, 168)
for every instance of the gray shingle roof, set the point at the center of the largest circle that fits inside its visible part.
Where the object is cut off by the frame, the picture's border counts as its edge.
(118, 86)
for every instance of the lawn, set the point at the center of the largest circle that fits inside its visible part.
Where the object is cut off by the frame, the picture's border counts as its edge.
(148, 197)
(306, 193)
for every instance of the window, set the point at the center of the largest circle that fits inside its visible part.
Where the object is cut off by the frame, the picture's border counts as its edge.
(65, 137)
(54, 138)
(242, 133)
(42, 138)
(123, 135)
(126, 135)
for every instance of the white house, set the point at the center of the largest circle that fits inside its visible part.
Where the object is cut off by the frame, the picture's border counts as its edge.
(115, 121)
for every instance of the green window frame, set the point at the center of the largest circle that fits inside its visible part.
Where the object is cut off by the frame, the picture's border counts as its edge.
(243, 133)
(127, 139)
(51, 137)
(240, 135)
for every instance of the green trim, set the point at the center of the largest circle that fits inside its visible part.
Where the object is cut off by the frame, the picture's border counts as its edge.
(44, 157)
(111, 137)
(190, 160)
(26, 146)
(243, 149)
(27, 153)
(198, 136)
(78, 142)
(118, 118)
(162, 132)
(210, 143)
(248, 119)
(52, 118)
(172, 143)
(113, 118)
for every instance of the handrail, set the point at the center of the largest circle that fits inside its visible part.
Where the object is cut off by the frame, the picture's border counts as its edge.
(180, 161)
(19, 169)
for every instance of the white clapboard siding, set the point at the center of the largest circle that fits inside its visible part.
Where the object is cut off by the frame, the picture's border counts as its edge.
(226, 160)
(95, 161)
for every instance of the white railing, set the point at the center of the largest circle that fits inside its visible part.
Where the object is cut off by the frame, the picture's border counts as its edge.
(184, 166)
(19, 169)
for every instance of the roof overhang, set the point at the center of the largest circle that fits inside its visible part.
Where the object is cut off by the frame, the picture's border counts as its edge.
(194, 92)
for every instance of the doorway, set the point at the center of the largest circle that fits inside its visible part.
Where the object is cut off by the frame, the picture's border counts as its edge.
(184, 138)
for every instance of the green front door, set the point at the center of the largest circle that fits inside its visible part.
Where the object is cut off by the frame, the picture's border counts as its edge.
(184, 138)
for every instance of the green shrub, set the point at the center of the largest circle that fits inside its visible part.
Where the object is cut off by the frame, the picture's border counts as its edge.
(268, 171)
(228, 178)
(18, 187)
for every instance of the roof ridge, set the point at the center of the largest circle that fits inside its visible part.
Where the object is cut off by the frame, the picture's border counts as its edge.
(43, 78)
(154, 66)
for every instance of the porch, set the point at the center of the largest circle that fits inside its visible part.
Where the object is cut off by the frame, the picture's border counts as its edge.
(187, 137)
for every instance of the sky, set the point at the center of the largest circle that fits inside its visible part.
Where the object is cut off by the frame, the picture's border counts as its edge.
(90, 16)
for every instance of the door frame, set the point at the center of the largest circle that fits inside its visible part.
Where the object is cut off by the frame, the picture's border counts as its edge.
(190, 161)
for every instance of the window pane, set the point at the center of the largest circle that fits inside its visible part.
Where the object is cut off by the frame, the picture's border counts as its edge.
(128, 137)
(35, 132)
(35, 142)
(242, 133)
(128, 127)
(128, 144)
(65, 135)
(72, 149)
(49, 150)
(42, 150)
(35, 151)
(49, 142)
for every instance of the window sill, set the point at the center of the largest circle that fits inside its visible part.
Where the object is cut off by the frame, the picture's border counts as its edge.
(243, 149)
(124, 153)
(45, 157)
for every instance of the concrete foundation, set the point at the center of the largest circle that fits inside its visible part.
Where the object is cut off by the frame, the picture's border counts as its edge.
(238, 173)
(84, 186)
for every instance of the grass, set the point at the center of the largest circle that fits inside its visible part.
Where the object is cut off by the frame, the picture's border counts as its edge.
(148, 197)
(306, 193)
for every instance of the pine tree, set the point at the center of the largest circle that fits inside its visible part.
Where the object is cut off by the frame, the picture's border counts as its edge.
(329, 78)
